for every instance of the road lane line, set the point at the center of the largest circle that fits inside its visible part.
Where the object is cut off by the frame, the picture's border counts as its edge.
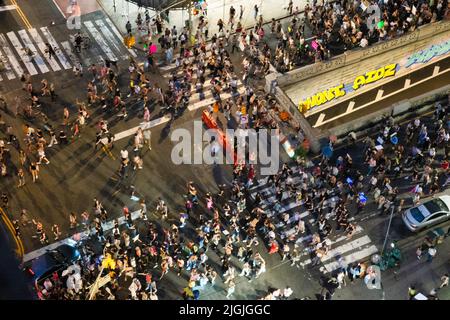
(36, 56)
(143, 125)
(9, 54)
(71, 240)
(26, 59)
(54, 44)
(41, 45)
(59, 9)
(10, 226)
(22, 15)
(99, 39)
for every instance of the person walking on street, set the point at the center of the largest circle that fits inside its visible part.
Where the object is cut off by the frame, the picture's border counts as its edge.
(51, 52)
(143, 209)
(56, 231)
(128, 27)
(290, 7)
(21, 176)
(231, 289)
(73, 220)
(255, 11)
(431, 253)
(412, 292)
(34, 170)
(148, 138)
(444, 281)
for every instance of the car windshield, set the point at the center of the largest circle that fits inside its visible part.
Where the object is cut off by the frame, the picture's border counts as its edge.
(417, 214)
(435, 205)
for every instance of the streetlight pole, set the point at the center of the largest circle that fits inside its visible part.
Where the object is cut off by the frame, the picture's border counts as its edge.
(388, 229)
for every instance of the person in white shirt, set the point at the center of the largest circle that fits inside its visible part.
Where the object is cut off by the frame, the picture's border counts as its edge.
(287, 292)
(364, 42)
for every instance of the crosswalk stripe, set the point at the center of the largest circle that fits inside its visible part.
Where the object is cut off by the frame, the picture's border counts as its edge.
(58, 51)
(346, 260)
(21, 52)
(119, 36)
(207, 85)
(99, 38)
(109, 36)
(68, 49)
(174, 65)
(9, 73)
(36, 56)
(41, 45)
(12, 58)
(170, 67)
(349, 246)
(207, 94)
(210, 101)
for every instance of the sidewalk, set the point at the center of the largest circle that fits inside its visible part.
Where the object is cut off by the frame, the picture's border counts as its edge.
(125, 11)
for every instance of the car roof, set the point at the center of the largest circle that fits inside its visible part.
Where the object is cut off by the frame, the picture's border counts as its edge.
(424, 210)
(446, 199)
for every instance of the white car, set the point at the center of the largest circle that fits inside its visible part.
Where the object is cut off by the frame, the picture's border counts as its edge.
(430, 213)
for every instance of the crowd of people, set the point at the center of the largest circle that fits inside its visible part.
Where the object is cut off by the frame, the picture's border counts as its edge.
(226, 225)
(229, 225)
(338, 26)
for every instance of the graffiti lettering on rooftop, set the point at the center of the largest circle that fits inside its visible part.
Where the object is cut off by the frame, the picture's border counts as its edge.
(427, 54)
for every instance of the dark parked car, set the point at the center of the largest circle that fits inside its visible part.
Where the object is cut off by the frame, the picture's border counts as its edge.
(55, 260)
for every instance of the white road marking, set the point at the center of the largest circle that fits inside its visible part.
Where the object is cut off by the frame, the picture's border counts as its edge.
(68, 49)
(8, 8)
(9, 54)
(207, 102)
(22, 53)
(99, 39)
(109, 36)
(59, 9)
(58, 51)
(349, 246)
(9, 73)
(83, 235)
(41, 45)
(36, 56)
(346, 260)
(144, 126)
(119, 36)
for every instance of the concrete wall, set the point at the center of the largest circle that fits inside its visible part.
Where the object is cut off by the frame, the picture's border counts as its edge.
(286, 104)
(399, 110)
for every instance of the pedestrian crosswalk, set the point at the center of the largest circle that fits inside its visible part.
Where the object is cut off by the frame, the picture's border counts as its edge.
(26, 51)
(343, 250)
